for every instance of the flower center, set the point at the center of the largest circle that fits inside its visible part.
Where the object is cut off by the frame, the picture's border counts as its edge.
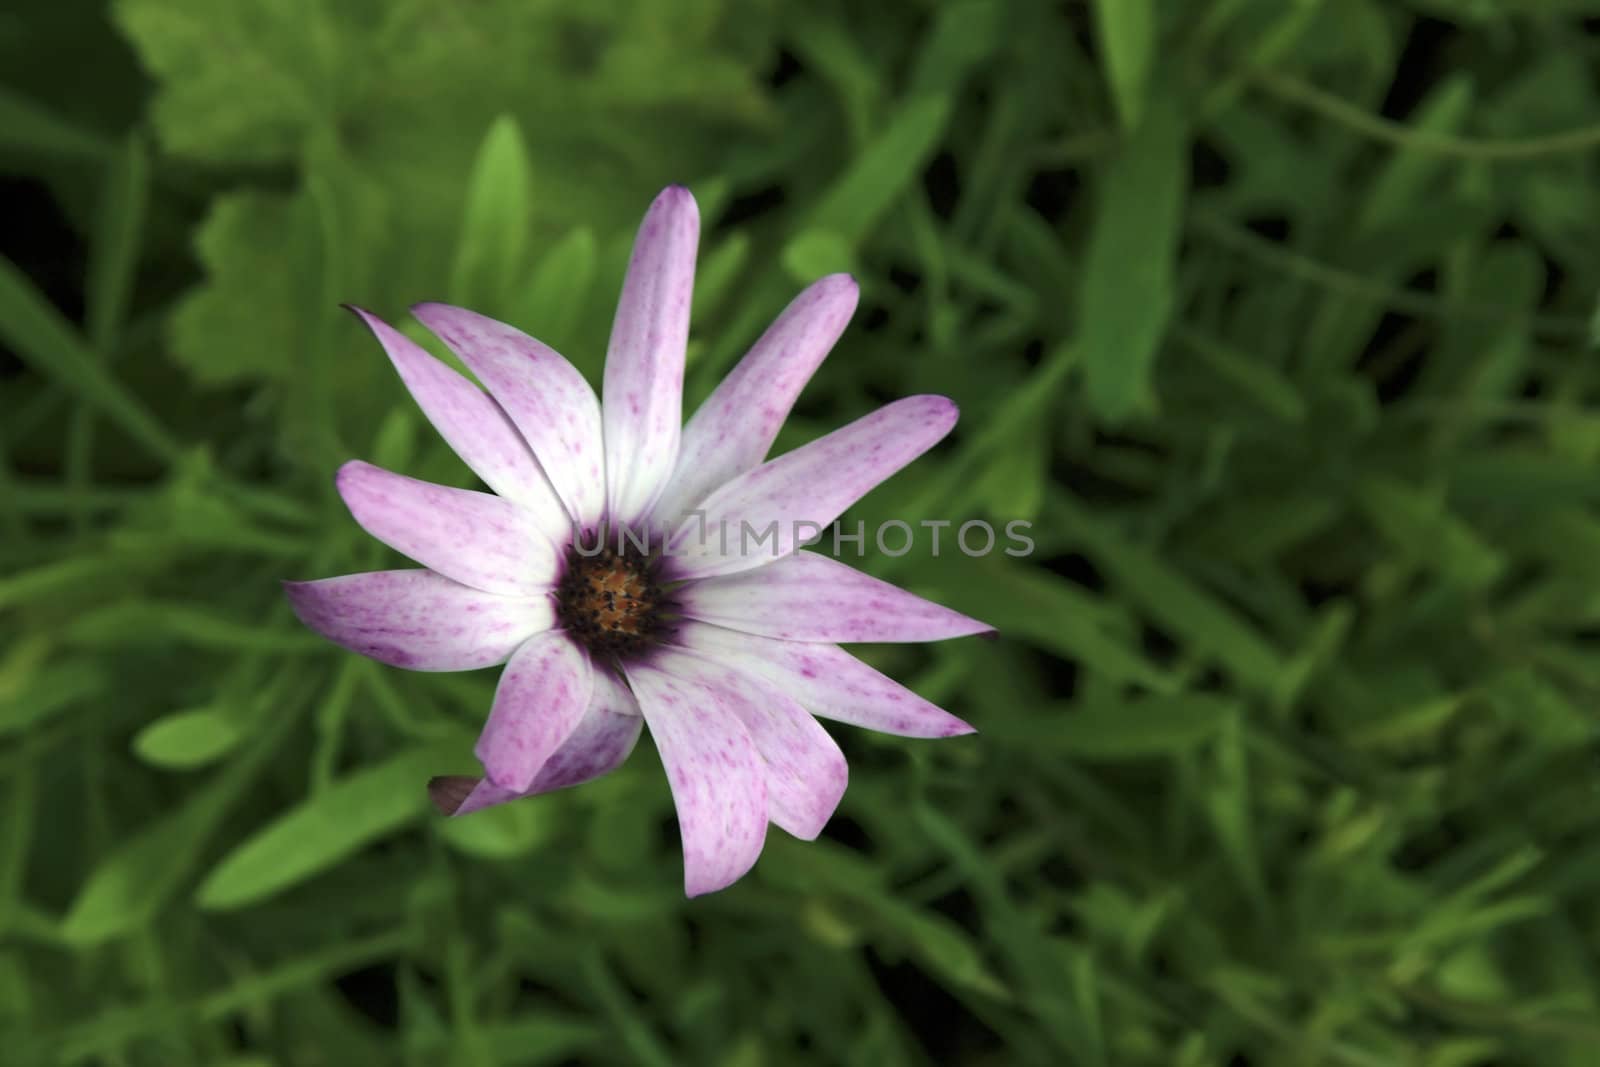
(610, 601)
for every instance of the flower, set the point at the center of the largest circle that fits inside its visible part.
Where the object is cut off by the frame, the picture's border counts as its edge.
(579, 574)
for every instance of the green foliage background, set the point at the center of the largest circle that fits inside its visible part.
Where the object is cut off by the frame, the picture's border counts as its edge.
(1272, 316)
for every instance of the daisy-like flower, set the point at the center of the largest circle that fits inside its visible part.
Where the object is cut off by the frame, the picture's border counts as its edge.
(614, 572)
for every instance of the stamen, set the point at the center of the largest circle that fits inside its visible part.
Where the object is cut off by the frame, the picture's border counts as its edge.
(611, 602)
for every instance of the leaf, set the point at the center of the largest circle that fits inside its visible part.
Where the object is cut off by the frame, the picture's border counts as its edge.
(1047, 611)
(1433, 538)
(503, 831)
(553, 301)
(1176, 602)
(254, 246)
(1150, 726)
(943, 947)
(494, 229)
(1126, 30)
(963, 34)
(812, 253)
(27, 127)
(864, 192)
(323, 829)
(187, 739)
(132, 882)
(1128, 293)
(30, 698)
(717, 274)
(234, 88)
(382, 108)
(36, 331)
(136, 878)
(115, 251)
(1406, 175)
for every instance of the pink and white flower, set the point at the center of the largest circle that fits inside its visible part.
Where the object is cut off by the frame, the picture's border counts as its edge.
(725, 652)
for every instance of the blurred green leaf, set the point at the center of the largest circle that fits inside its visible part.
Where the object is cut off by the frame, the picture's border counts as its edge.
(319, 831)
(187, 739)
(558, 291)
(811, 254)
(1047, 611)
(1151, 726)
(1128, 289)
(494, 230)
(38, 334)
(1126, 31)
(27, 126)
(117, 243)
(1431, 536)
(137, 877)
(501, 832)
(864, 192)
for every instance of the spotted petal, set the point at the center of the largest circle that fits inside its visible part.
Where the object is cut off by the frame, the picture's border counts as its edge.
(806, 773)
(474, 426)
(643, 409)
(734, 429)
(548, 400)
(598, 745)
(418, 619)
(542, 695)
(762, 515)
(807, 597)
(478, 539)
(715, 772)
(826, 681)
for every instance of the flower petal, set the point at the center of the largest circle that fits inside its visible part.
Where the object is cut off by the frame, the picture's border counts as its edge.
(473, 426)
(808, 597)
(478, 539)
(551, 404)
(542, 695)
(734, 429)
(806, 774)
(643, 409)
(716, 774)
(826, 681)
(811, 485)
(418, 619)
(598, 745)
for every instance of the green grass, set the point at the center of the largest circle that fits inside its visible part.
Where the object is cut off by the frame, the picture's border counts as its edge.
(1276, 319)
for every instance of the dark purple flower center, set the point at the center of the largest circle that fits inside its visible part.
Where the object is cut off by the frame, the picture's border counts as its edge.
(612, 602)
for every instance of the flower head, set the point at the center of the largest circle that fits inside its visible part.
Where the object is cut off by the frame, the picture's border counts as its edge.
(602, 573)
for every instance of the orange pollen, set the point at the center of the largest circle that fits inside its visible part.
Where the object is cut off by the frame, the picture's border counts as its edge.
(609, 602)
